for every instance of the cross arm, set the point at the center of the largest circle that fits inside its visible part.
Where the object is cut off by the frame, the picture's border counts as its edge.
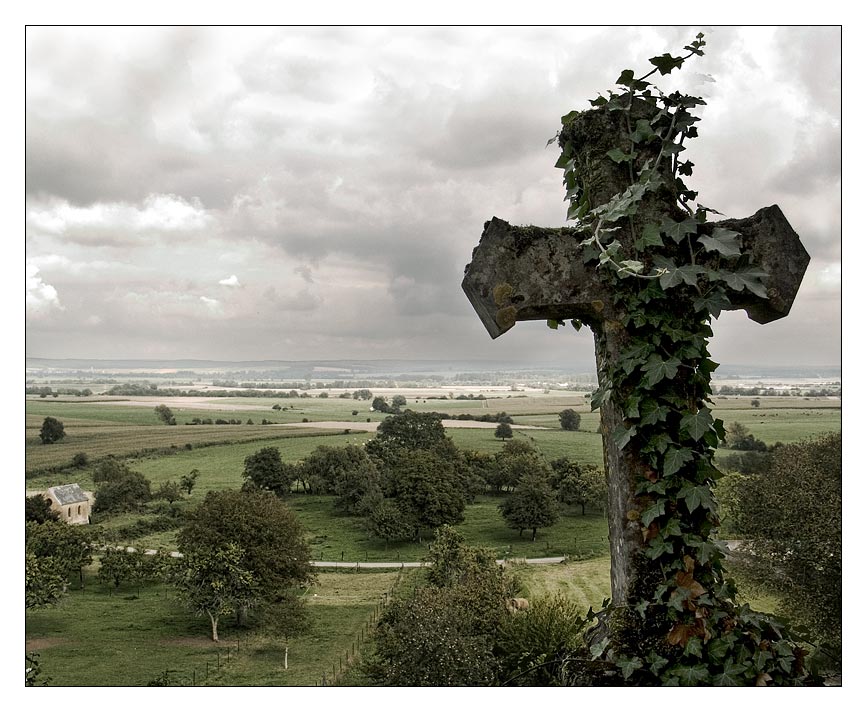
(526, 273)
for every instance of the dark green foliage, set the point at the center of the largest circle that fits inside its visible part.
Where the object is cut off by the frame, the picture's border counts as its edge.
(398, 401)
(428, 488)
(570, 419)
(45, 580)
(532, 505)
(164, 413)
(263, 528)
(576, 484)
(69, 546)
(503, 431)
(80, 460)
(444, 633)
(266, 470)
(513, 461)
(388, 521)
(407, 431)
(534, 646)
(747, 463)
(129, 492)
(347, 472)
(52, 431)
(117, 566)
(792, 516)
(110, 470)
(38, 509)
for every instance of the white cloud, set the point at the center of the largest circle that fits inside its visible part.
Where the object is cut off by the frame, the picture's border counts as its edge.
(212, 304)
(41, 297)
(230, 281)
(100, 222)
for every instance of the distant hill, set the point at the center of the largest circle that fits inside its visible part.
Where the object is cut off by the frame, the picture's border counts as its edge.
(384, 368)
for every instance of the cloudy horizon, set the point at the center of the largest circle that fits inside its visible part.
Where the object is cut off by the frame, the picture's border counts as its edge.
(315, 193)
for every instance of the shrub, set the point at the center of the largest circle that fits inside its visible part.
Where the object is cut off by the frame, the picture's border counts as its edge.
(52, 431)
(80, 460)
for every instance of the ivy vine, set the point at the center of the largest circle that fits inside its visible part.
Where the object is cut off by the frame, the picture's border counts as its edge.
(669, 277)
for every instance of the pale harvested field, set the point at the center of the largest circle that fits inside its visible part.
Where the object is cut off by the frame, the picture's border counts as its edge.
(371, 427)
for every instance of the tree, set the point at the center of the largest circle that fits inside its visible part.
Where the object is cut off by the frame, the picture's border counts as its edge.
(38, 509)
(792, 516)
(51, 431)
(515, 460)
(362, 394)
(428, 488)
(570, 419)
(266, 470)
(111, 469)
(69, 546)
(286, 618)
(388, 521)
(407, 431)
(570, 486)
(170, 491)
(531, 505)
(755, 402)
(503, 431)
(44, 581)
(189, 481)
(268, 534)
(347, 472)
(127, 493)
(380, 404)
(164, 413)
(398, 402)
(120, 565)
(215, 582)
(444, 634)
(80, 460)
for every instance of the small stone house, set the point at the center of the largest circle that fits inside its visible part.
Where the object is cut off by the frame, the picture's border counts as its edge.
(71, 502)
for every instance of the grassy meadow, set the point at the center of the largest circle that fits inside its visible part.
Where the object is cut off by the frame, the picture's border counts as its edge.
(136, 635)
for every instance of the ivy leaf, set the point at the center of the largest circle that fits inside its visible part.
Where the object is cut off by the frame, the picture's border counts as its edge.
(622, 436)
(671, 274)
(554, 323)
(570, 117)
(626, 77)
(717, 649)
(652, 413)
(618, 156)
(666, 63)
(685, 168)
(649, 237)
(749, 278)
(627, 667)
(706, 551)
(643, 132)
(675, 459)
(576, 324)
(597, 649)
(715, 302)
(730, 676)
(726, 242)
(692, 675)
(657, 369)
(658, 547)
(657, 509)
(696, 495)
(697, 424)
(693, 647)
(679, 230)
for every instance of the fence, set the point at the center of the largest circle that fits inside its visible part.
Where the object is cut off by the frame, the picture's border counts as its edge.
(198, 676)
(351, 654)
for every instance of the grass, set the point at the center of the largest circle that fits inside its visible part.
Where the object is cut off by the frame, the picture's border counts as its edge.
(134, 636)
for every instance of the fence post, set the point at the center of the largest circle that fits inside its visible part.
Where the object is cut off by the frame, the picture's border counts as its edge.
(206, 669)
(194, 677)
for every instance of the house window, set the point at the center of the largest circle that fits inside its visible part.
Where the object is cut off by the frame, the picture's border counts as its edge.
(69, 512)
(79, 509)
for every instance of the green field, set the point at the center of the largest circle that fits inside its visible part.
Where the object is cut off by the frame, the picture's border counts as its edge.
(134, 636)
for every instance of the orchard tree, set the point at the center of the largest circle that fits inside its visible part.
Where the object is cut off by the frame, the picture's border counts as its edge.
(38, 509)
(215, 582)
(266, 470)
(570, 419)
(117, 566)
(51, 431)
(398, 402)
(70, 547)
(503, 431)
(408, 431)
(286, 618)
(516, 459)
(265, 531)
(45, 581)
(170, 491)
(531, 505)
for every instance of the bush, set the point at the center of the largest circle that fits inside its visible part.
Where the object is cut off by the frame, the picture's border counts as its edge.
(570, 419)
(80, 460)
(124, 494)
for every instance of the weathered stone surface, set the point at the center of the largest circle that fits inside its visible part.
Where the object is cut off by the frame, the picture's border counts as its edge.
(520, 274)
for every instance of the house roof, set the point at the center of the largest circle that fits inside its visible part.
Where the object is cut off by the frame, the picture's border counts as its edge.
(67, 494)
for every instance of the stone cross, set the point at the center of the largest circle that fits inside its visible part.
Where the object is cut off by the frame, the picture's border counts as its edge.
(523, 273)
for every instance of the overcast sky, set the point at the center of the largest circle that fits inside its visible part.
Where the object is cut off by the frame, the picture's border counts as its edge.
(300, 193)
